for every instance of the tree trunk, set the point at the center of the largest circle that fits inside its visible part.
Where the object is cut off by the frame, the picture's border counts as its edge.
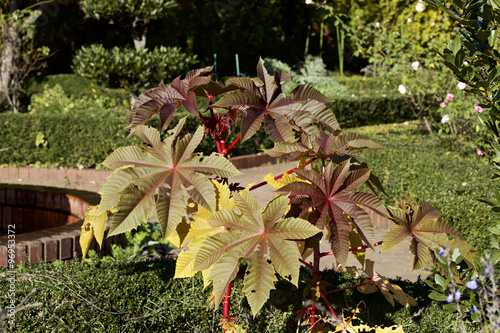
(9, 70)
(139, 30)
(11, 47)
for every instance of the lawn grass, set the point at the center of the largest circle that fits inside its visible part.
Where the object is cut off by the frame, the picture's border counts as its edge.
(437, 169)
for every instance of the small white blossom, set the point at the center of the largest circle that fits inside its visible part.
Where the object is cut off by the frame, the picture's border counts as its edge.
(409, 20)
(415, 65)
(445, 119)
(402, 89)
(420, 7)
(462, 85)
(377, 24)
(309, 2)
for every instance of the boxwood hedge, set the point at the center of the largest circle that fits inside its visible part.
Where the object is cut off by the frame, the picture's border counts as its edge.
(142, 296)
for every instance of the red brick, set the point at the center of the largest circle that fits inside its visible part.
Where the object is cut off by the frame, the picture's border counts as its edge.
(48, 199)
(38, 219)
(6, 217)
(35, 250)
(55, 175)
(3, 195)
(30, 198)
(29, 223)
(57, 201)
(101, 176)
(11, 196)
(20, 252)
(47, 220)
(77, 247)
(43, 174)
(66, 248)
(90, 175)
(74, 177)
(21, 197)
(51, 250)
(13, 174)
(73, 219)
(33, 173)
(4, 175)
(18, 218)
(3, 256)
(23, 174)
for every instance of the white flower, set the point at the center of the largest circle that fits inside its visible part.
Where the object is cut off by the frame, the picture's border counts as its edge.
(402, 89)
(353, 95)
(462, 85)
(466, 63)
(445, 119)
(433, 24)
(420, 7)
(309, 2)
(377, 24)
(409, 20)
(415, 65)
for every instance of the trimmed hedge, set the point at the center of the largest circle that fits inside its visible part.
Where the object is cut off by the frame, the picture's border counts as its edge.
(364, 111)
(117, 296)
(83, 139)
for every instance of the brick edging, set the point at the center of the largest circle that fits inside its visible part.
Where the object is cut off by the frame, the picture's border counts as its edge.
(92, 179)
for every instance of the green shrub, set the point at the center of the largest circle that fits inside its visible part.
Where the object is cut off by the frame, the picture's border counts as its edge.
(73, 84)
(363, 111)
(129, 68)
(143, 296)
(313, 72)
(84, 138)
(55, 100)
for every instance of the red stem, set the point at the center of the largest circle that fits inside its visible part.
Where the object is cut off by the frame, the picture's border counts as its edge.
(223, 147)
(306, 264)
(359, 248)
(219, 150)
(315, 270)
(329, 306)
(233, 144)
(278, 177)
(227, 302)
(352, 287)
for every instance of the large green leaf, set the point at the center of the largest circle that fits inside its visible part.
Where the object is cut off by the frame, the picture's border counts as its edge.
(168, 169)
(257, 235)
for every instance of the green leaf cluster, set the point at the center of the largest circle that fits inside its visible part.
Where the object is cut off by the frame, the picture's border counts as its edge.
(135, 70)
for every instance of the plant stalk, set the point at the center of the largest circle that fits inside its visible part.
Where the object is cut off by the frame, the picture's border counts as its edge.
(227, 303)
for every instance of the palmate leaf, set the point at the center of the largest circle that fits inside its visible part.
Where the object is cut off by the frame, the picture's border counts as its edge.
(426, 228)
(166, 99)
(262, 101)
(257, 235)
(338, 207)
(168, 169)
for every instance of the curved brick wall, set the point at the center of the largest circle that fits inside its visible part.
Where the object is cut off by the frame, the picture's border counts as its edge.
(61, 242)
(32, 209)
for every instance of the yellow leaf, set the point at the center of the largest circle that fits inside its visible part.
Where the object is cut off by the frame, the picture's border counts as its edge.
(278, 183)
(93, 225)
